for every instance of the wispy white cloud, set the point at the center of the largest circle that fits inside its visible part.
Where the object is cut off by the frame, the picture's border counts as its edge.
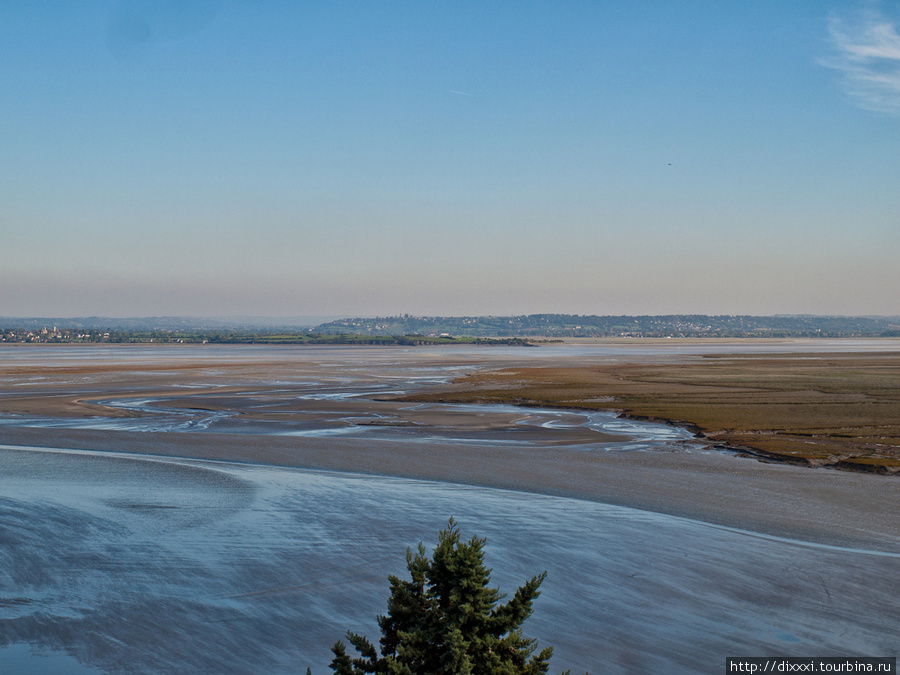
(868, 57)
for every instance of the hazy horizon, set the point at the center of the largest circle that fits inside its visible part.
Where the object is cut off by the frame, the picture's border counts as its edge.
(240, 322)
(334, 317)
(213, 159)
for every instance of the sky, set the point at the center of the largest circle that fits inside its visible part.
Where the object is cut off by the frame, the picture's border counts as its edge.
(292, 158)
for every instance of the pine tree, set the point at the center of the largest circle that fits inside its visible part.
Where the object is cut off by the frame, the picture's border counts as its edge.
(447, 620)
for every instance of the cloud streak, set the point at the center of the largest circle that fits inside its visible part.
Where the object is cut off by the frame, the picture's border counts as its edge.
(868, 57)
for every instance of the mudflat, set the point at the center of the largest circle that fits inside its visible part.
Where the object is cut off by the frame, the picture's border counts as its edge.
(409, 413)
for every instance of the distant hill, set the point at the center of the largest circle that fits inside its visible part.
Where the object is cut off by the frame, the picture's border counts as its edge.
(574, 325)
(415, 328)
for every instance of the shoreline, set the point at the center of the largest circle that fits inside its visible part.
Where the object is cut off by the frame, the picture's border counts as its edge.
(748, 452)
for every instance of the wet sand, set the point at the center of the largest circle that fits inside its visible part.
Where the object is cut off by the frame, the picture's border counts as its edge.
(322, 390)
(131, 563)
(824, 506)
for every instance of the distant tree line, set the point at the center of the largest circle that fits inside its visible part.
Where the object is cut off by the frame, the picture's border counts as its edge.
(574, 325)
(417, 330)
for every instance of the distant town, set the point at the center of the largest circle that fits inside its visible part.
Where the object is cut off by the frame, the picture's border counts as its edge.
(418, 330)
(57, 335)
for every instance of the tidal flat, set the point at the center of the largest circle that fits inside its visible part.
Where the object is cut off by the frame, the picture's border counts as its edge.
(237, 509)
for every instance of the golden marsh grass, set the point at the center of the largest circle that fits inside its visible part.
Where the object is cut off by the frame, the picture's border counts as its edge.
(840, 410)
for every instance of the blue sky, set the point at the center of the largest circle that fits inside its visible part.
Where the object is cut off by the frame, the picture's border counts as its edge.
(365, 158)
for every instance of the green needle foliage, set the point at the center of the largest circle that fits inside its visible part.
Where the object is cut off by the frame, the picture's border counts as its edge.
(446, 619)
